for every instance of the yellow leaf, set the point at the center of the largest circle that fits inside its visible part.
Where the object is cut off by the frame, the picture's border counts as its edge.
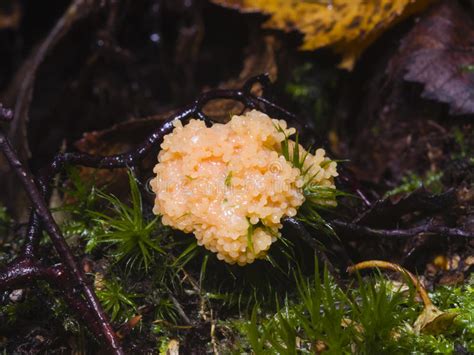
(431, 320)
(434, 321)
(349, 26)
(172, 348)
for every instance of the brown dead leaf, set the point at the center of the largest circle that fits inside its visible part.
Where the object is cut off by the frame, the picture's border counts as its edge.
(433, 321)
(121, 137)
(260, 57)
(452, 278)
(126, 328)
(320, 347)
(118, 139)
(349, 26)
(438, 53)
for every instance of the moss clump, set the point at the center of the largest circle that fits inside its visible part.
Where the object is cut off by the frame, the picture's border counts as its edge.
(374, 317)
(412, 181)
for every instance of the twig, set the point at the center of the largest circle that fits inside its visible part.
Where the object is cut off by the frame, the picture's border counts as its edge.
(400, 233)
(214, 342)
(75, 272)
(180, 310)
(391, 266)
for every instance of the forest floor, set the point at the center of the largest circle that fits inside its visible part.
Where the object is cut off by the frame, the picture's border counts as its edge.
(98, 77)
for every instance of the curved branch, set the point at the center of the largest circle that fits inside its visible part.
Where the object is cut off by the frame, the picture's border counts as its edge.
(25, 270)
(20, 272)
(60, 244)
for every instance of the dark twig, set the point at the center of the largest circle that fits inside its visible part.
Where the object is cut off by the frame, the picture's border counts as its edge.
(428, 228)
(179, 309)
(25, 272)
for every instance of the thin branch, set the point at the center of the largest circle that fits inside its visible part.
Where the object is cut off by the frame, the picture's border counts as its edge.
(25, 270)
(400, 233)
(391, 266)
(60, 244)
(180, 310)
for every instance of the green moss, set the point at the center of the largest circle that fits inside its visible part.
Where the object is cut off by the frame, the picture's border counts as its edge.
(5, 222)
(411, 182)
(279, 312)
(469, 68)
(117, 302)
(228, 179)
(464, 146)
(461, 300)
(317, 198)
(125, 232)
(370, 318)
(311, 87)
